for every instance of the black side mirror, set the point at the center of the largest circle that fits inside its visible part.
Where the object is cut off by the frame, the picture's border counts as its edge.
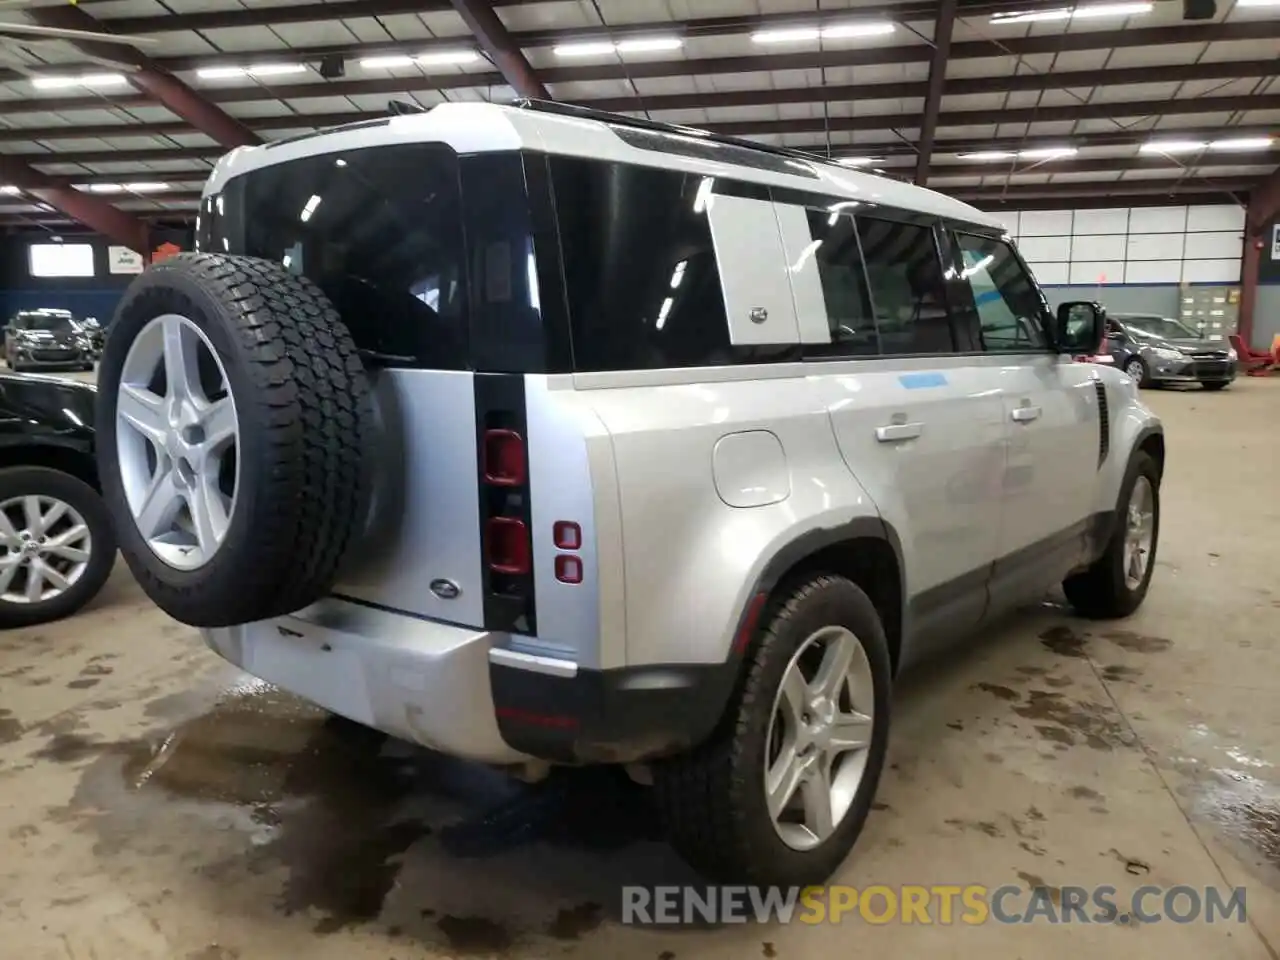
(1080, 327)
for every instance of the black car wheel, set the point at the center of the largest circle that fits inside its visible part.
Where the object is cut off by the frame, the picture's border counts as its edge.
(1137, 371)
(56, 545)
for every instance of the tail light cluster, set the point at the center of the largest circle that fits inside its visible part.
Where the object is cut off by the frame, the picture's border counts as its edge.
(504, 509)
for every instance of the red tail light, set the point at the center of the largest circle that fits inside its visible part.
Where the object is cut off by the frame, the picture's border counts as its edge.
(504, 458)
(508, 543)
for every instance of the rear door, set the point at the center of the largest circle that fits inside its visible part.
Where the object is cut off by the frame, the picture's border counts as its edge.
(919, 424)
(1051, 416)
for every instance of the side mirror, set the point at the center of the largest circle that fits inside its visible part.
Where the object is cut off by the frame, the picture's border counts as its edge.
(1080, 327)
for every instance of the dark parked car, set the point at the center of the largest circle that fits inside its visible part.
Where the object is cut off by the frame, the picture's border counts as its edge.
(93, 333)
(47, 338)
(1156, 350)
(56, 542)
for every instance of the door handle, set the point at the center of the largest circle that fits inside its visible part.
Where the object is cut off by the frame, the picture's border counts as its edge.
(1025, 414)
(899, 431)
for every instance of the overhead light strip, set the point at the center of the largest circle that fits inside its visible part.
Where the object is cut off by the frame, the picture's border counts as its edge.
(604, 48)
(842, 31)
(1088, 12)
(85, 80)
(254, 71)
(437, 59)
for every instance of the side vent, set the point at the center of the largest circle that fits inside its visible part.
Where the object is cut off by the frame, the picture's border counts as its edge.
(1104, 423)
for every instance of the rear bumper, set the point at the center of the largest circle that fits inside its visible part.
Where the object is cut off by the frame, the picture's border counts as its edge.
(466, 693)
(420, 680)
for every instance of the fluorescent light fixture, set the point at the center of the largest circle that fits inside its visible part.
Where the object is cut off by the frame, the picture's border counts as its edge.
(1111, 10)
(840, 31)
(1258, 3)
(1172, 146)
(1047, 153)
(591, 48)
(988, 155)
(1032, 16)
(9, 191)
(444, 57)
(1088, 12)
(383, 63)
(309, 208)
(1243, 143)
(856, 161)
(146, 187)
(597, 48)
(649, 44)
(87, 80)
(256, 70)
(105, 187)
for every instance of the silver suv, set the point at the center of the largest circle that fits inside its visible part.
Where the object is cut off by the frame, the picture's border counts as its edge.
(539, 436)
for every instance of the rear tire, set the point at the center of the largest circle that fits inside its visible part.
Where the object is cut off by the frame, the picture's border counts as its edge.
(1107, 590)
(301, 404)
(1137, 371)
(713, 799)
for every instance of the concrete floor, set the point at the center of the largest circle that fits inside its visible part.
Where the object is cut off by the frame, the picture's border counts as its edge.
(156, 804)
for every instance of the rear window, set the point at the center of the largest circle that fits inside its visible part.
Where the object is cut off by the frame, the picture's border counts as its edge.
(379, 230)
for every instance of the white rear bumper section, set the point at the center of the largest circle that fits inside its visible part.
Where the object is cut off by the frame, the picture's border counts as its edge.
(420, 680)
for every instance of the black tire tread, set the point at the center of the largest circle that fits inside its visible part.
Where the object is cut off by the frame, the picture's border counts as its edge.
(703, 795)
(310, 393)
(1099, 591)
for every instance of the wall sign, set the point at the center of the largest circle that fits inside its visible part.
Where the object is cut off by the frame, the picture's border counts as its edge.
(124, 260)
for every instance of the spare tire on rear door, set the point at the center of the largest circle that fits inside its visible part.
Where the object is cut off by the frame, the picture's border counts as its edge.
(231, 402)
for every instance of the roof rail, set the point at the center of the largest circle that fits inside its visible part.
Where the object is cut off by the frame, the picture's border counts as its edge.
(643, 123)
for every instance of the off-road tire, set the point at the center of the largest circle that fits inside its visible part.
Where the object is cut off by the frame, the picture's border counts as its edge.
(712, 799)
(1100, 591)
(302, 402)
(75, 493)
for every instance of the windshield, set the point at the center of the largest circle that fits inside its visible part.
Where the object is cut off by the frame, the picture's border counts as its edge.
(53, 322)
(1162, 327)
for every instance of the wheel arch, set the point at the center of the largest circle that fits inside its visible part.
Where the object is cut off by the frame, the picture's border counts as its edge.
(71, 460)
(866, 551)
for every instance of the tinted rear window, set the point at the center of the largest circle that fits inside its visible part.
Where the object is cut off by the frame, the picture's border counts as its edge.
(379, 230)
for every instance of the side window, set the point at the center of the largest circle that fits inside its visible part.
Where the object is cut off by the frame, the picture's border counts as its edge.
(844, 284)
(1010, 308)
(640, 267)
(907, 288)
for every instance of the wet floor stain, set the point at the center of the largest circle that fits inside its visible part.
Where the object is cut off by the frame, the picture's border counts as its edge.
(1085, 793)
(1137, 642)
(996, 690)
(1064, 641)
(768, 950)
(475, 935)
(1132, 865)
(1040, 888)
(571, 923)
(1119, 673)
(986, 827)
(1092, 724)
(84, 683)
(10, 727)
(325, 815)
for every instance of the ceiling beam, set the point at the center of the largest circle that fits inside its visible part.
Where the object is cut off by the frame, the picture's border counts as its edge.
(95, 213)
(935, 87)
(912, 11)
(1221, 187)
(895, 54)
(152, 80)
(959, 86)
(1111, 201)
(496, 41)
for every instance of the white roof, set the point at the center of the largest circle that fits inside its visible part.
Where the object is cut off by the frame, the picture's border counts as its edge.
(484, 127)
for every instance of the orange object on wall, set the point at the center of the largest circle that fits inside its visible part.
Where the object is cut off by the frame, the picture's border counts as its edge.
(164, 252)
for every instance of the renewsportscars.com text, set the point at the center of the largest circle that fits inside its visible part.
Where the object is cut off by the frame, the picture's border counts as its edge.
(941, 904)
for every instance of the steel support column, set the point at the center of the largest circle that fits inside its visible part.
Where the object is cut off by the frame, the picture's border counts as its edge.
(496, 41)
(1264, 206)
(937, 82)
